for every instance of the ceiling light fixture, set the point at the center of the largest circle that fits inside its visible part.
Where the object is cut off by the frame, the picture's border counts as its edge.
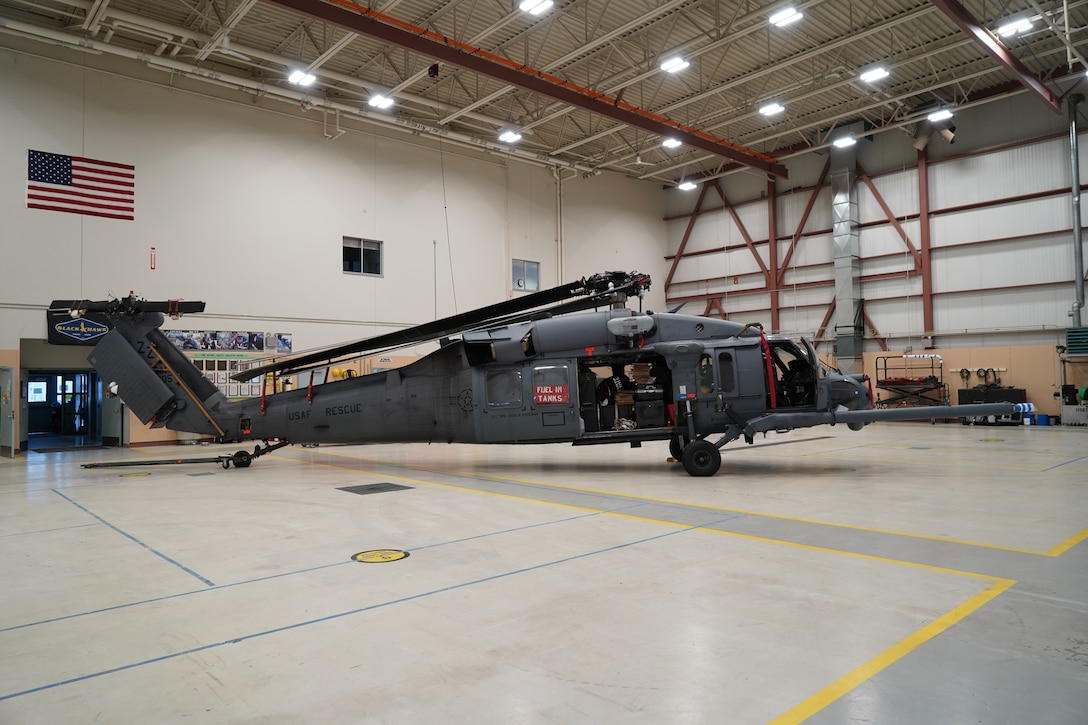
(844, 141)
(509, 136)
(380, 101)
(785, 16)
(686, 185)
(674, 64)
(301, 78)
(1016, 27)
(772, 108)
(872, 75)
(672, 143)
(939, 115)
(535, 7)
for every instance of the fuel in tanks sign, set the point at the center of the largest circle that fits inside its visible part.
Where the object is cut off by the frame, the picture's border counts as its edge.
(551, 394)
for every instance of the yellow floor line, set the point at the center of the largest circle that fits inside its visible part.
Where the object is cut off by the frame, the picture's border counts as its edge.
(645, 519)
(705, 507)
(1068, 544)
(851, 680)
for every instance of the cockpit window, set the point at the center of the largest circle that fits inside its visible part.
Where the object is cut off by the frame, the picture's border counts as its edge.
(706, 374)
(726, 373)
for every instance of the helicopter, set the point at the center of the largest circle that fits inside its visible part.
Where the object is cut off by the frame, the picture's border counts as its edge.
(522, 371)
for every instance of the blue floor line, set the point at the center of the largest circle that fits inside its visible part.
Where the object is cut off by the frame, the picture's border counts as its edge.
(217, 587)
(1066, 463)
(524, 528)
(348, 613)
(46, 531)
(129, 536)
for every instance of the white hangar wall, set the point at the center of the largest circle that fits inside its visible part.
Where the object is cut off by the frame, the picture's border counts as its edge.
(247, 208)
(1000, 231)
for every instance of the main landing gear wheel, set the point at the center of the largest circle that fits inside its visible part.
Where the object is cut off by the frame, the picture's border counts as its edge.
(701, 458)
(676, 447)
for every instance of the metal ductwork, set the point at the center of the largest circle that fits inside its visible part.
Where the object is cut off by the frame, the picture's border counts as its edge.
(1078, 250)
(847, 319)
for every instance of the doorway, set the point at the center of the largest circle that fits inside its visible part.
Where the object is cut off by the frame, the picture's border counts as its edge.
(63, 410)
(7, 413)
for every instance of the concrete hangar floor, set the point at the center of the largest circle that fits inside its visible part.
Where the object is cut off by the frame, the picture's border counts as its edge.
(908, 573)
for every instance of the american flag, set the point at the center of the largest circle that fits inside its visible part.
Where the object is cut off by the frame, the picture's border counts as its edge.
(80, 185)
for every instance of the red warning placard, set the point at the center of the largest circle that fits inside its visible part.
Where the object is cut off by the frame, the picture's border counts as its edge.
(551, 394)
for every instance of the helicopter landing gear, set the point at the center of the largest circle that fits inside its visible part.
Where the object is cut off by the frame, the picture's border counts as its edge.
(676, 447)
(241, 459)
(701, 458)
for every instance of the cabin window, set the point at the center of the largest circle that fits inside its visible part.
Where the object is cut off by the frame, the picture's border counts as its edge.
(551, 385)
(526, 276)
(504, 388)
(363, 256)
(726, 373)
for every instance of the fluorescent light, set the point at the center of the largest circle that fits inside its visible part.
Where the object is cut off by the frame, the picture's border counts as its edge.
(674, 64)
(785, 16)
(874, 74)
(671, 143)
(686, 185)
(509, 136)
(1015, 27)
(772, 108)
(380, 101)
(940, 115)
(301, 78)
(844, 141)
(535, 7)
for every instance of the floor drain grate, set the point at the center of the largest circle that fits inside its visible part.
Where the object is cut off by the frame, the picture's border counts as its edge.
(374, 488)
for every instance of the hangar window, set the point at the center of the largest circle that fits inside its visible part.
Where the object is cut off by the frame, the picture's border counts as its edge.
(526, 276)
(362, 256)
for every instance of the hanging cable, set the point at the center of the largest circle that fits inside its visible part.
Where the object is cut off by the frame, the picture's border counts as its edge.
(446, 216)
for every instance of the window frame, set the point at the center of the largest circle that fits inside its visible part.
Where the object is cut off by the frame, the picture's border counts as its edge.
(514, 276)
(363, 245)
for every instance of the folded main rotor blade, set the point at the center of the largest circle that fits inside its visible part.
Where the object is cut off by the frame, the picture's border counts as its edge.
(599, 285)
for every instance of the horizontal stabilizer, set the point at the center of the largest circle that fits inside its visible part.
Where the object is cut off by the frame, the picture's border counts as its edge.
(127, 306)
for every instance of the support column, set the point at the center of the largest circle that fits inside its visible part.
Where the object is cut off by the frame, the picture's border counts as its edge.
(772, 253)
(847, 318)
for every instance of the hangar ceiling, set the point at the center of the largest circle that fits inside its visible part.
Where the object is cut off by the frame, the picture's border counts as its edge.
(582, 82)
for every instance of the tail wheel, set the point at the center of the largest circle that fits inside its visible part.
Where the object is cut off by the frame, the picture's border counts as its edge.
(242, 459)
(701, 458)
(676, 447)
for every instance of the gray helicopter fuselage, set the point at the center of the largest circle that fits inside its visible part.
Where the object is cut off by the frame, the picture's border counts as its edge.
(523, 384)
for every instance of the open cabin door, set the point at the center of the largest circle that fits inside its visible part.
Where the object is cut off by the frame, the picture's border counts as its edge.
(535, 401)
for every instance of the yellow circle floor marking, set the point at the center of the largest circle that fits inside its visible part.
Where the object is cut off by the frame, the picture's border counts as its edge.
(380, 556)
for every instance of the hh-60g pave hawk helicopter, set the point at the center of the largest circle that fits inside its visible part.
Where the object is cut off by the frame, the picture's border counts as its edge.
(521, 372)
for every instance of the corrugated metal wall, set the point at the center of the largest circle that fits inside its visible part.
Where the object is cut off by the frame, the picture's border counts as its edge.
(1000, 239)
